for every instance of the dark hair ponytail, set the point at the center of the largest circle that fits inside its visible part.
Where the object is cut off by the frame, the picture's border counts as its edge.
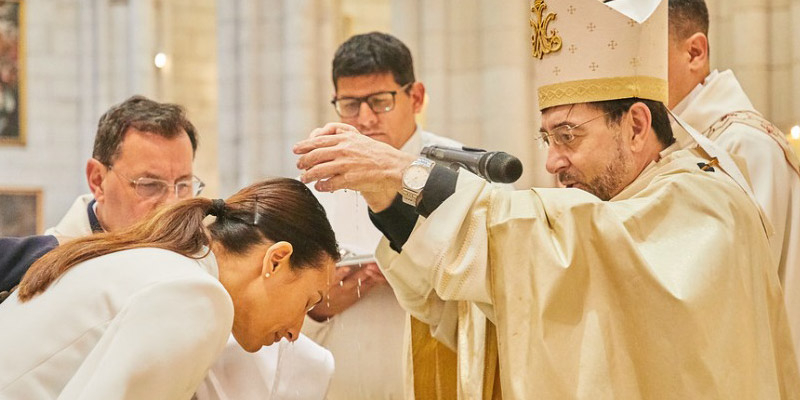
(281, 209)
(276, 210)
(177, 228)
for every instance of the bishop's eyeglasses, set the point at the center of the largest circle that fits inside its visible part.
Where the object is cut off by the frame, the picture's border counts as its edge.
(381, 102)
(564, 134)
(151, 187)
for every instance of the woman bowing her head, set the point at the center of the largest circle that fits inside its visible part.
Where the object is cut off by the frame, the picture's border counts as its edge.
(144, 312)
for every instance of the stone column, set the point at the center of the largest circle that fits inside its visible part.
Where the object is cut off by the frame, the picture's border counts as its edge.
(511, 116)
(186, 31)
(432, 65)
(301, 101)
(793, 48)
(474, 59)
(273, 60)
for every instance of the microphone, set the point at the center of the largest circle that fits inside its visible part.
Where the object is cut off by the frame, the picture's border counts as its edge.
(494, 166)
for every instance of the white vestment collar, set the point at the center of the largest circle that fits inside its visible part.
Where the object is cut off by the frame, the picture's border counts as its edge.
(707, 103)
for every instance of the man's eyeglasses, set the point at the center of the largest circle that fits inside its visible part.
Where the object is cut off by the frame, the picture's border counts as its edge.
(563, 134)
(156, 188)
(381, 102)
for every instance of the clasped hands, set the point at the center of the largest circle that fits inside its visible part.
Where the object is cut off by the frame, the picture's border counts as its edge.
(349, 285)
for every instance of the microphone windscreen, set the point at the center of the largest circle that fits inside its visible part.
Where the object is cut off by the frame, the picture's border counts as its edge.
(504, 168)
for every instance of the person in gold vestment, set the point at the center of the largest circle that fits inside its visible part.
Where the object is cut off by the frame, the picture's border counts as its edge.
(648, 276)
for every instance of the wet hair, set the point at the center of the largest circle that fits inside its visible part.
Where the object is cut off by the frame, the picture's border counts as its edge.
(274, 210)
(615, 109)
(373, 53)
(138, 112)
(687, 17)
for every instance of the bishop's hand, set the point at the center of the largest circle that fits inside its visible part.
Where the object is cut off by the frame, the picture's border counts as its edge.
(338, 156)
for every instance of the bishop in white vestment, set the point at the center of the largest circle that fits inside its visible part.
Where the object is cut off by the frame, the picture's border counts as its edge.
(665, 288)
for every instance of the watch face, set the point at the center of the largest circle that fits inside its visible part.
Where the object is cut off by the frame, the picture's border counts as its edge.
(415, 177)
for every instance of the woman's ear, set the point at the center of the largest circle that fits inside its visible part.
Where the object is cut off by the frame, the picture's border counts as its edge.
(277, 259)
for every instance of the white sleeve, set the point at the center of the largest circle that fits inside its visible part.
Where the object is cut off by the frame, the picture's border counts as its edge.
(417, 298)
(769, 173)
(159, 346)
(445, 260)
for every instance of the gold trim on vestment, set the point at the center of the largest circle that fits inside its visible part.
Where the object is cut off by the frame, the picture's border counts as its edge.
(435, 367)
(491, 371)
(755, 120)
(590, 90)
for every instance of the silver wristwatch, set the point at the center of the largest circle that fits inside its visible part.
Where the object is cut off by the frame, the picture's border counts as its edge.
(414, 178)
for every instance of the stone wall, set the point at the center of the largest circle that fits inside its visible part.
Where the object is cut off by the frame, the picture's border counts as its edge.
(255, 76)
(760, 41)
(273, 84)
(275, 76)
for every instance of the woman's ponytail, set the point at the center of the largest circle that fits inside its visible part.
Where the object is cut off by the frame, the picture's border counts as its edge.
(278, 209)
(177, 228)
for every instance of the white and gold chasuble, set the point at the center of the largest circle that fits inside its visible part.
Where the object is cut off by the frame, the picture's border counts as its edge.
(666, 291)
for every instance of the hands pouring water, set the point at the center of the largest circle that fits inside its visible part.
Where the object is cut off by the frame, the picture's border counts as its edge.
(338, 156)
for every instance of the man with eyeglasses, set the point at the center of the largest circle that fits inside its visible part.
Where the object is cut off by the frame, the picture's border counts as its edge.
(362, 324)
(142, 159)
(648, 276)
